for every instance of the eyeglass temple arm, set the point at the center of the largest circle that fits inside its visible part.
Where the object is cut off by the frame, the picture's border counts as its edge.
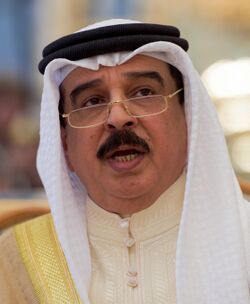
(173, 94)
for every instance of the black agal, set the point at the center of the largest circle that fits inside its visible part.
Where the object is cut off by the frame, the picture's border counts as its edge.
(109, 39)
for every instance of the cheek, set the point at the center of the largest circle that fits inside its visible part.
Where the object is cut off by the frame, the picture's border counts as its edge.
(172, 140)
(81, 148)
(178, 138)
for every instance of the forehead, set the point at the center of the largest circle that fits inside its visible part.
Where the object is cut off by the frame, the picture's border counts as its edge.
(138, 63)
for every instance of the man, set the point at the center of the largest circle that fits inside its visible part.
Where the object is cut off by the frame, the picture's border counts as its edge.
(145, 207)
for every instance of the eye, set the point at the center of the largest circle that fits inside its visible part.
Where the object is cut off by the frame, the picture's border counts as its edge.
(93, 101)
(143, 92)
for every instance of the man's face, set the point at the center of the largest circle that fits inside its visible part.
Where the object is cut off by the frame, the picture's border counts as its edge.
(130, 177)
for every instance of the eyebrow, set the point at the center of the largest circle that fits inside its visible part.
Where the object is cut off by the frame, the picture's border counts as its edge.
(146, 74)
(98, 81)
(84, 86)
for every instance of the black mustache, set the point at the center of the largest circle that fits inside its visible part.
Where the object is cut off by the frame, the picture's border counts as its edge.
(118, 138)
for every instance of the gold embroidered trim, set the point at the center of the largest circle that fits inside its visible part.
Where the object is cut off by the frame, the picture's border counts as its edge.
(45, 262)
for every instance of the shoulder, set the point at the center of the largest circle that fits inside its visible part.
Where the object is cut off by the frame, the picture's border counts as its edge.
(245, 224)
(8, 242)
(247, 204)
(8, 236)
(13, 212)
(245, 211)
(38, 224)
(41, 261)
(15, 284)
(8, 245)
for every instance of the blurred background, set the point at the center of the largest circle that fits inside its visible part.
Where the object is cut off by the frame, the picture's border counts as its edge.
(219, 36)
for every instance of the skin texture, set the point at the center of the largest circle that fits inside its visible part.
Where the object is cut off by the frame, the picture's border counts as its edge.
(133, 187)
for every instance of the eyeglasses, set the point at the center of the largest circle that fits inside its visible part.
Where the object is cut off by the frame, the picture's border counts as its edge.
(91, 116)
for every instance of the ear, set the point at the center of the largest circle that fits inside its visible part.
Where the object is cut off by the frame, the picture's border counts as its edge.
(65, 148)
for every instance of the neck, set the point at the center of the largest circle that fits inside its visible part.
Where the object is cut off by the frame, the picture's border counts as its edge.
(130, 205)
(125, 205)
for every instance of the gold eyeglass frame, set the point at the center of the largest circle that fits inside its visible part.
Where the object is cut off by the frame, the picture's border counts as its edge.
(166, 98)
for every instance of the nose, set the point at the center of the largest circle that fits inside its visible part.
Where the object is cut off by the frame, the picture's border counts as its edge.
(119, 118)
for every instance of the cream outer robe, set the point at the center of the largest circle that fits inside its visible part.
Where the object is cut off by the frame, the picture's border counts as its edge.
(212, 262)
(133, 259)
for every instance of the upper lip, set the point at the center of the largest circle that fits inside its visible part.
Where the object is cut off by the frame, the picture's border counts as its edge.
(124, 148)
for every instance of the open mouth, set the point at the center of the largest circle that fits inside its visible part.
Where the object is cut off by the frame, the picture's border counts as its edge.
(125, 159)
(125, 155)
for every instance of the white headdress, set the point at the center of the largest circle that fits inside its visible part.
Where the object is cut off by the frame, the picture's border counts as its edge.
(211, 262)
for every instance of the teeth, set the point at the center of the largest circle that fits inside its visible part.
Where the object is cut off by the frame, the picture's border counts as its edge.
(125, 158)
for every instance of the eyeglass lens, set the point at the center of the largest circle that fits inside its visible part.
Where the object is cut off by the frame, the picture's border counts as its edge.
(141, 106)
